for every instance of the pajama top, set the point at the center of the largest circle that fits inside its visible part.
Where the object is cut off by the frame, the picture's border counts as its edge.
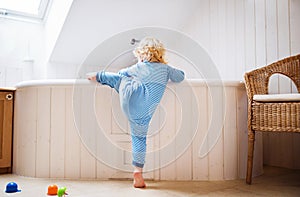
(140, 89)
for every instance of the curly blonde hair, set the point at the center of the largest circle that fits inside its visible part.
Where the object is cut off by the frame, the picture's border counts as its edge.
(151, 50)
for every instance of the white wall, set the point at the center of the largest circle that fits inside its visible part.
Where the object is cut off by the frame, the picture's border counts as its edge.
(19, 41)
(91, 22)
(244, 34)
(239, 35)
(26, 46)
(53, 26)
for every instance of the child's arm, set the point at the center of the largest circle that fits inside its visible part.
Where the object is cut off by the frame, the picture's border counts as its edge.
(176, 75)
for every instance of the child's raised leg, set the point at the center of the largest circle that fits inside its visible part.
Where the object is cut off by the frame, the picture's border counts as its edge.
(108, 78)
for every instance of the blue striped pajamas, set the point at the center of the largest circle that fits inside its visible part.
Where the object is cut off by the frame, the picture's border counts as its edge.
(140, 89)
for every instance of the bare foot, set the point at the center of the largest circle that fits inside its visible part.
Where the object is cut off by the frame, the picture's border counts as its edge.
(138, 180)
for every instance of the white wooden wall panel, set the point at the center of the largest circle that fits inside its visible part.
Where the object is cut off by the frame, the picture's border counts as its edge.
(153, 147)
(242, 131)
(66, 157)
(230, 24)
(43, 132)
(283, 40)
(283, 12)
(230, 135)
(260, 32)
(240, 40)
(199, 25)
(103, 103)
(73, 143)
(294, 27)
(213, 30)
(57, 138)
(28, 141)
(184, 124)
(200, 164)
(271, 37)
(155, 129)
(250, 38)
(88, 164)
(166, 136)
(220, 15)
(215, 114)
(18, 124)
(87, 130)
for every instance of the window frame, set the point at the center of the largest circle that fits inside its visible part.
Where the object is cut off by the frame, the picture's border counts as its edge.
(23, 16)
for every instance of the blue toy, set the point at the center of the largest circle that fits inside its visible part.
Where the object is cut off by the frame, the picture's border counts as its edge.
(12, 187)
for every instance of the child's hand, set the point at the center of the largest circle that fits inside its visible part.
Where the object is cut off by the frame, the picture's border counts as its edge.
(92, 78)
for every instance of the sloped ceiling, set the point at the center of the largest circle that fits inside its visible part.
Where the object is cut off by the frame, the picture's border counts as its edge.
(90, 22)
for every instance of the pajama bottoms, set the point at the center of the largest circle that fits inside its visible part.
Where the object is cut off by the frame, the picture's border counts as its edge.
(138, 108)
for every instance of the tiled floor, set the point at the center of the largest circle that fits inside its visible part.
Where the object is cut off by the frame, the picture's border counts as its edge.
(275, 182)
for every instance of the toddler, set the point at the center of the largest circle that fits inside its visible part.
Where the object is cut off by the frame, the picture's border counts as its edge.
(141, 87)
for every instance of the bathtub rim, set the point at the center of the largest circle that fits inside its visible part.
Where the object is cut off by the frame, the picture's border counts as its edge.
(70, 82)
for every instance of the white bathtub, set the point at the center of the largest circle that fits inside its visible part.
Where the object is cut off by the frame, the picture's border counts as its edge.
(47, 142)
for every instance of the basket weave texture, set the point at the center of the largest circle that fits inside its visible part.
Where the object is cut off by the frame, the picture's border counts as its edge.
(281, 116)
(273, 116)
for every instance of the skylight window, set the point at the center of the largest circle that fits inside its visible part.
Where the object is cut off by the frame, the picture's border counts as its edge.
(24, 9)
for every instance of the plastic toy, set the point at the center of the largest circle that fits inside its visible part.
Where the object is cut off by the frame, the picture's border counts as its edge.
(52, 190)
(61, 191)
(12, 187)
